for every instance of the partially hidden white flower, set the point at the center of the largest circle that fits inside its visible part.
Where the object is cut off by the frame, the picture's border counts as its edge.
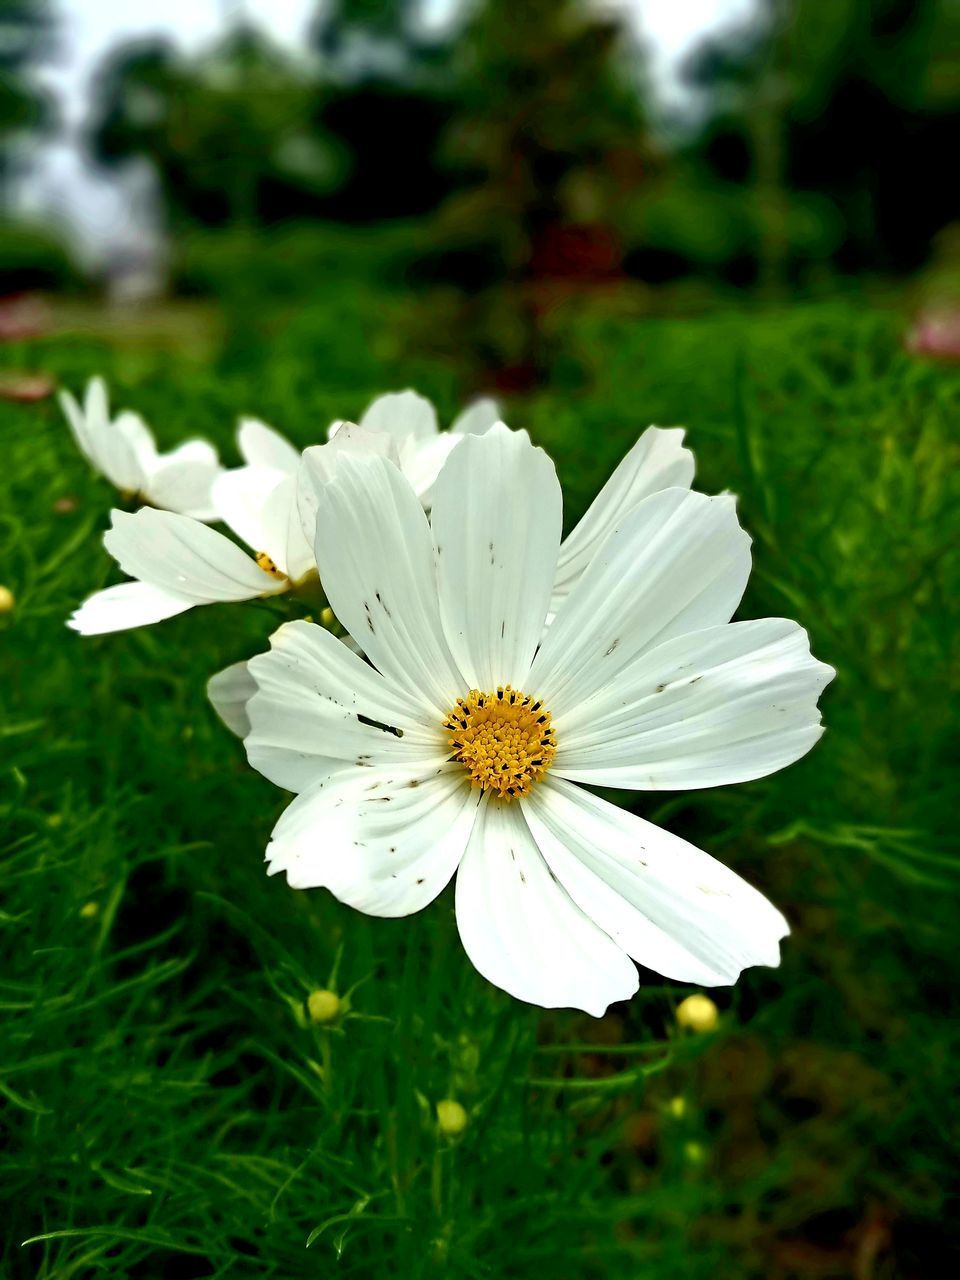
(657, 460)
(177, 562)
(411, 422)
(124, 451)
(461, 746)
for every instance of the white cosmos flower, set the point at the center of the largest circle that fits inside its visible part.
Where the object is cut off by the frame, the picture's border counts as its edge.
(658, 460)
(411, 422)
(124, 451)
(177, 562)
(461, 745)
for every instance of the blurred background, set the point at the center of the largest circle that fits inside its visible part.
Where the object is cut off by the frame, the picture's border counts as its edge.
(505, 158)
(740, 215)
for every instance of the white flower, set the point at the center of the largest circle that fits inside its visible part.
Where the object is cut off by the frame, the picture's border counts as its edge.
(124, 451)
(176, 563)
(460, 749)
(657, 460)
(411, 422)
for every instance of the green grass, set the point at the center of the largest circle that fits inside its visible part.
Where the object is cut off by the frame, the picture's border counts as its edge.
(169, 1111)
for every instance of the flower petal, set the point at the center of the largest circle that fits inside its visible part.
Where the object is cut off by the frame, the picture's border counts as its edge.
(521, 929)
(261, 446)
(668, 904)
(724, 705)
(496, 524)
(376, 565)
(317, 701)
(477, 418)
(229, 692)
(678, 562)
(182, 480)
(401, 413)
(185, 557)
(104, 445)
(140, 439)
(422, 461)
(657, 461)
(318, 463)
(384, 841)
(240, 498)
(131, 604)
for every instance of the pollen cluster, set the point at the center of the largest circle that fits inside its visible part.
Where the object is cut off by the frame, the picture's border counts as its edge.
(504, 740)
(267, 565)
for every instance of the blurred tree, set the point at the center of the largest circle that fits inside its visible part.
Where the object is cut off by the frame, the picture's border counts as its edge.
(549, 133)
(25, 28)
(855, 99)
(230, 134)
(546, 138)
(387, 92)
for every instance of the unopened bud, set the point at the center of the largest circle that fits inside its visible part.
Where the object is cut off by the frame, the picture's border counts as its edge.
(694, 1152)
(323, 1006)
(7, 600)
(90, 910)
(451, 1117)
(677, 1108)
(697, 1013)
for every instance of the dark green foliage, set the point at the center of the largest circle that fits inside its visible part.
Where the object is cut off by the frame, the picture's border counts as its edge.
(169, 1111)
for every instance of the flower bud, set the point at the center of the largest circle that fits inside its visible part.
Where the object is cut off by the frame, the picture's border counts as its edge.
(7, 600)
(451, 1117)
(323, 1006)
(697, 1013)
(677, 1107)
(90, 910)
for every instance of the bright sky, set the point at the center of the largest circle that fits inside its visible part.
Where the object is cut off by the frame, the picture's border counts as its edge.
(98, 212)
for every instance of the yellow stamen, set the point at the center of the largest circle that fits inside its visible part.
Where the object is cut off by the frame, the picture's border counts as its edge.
(504, 740)
(267, 565)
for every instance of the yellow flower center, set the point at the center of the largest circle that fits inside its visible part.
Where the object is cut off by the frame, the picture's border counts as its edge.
(503, 739)
(267, 565)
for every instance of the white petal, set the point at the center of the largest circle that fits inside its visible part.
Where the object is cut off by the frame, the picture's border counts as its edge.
(668, 904)
(477, 418)
(402, 413)
(522, 931)
(140, 439)
(384, 841)
(183, 556)
(287, 545)
(182, 480)
(96, 402)
(260, 505)
(196, 450)
(311, 692)
(376, 565)
(719, 706)
(104, 445)
(318, 463)
(131, 604)
(422, 461)
(240, 497)
(77, 422)
(657, 461)
(229, 692)
(496, 524)
(261, 446)
(677, 563)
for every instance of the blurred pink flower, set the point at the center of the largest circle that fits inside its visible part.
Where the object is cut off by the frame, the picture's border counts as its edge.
(936, 334)
(22, 315)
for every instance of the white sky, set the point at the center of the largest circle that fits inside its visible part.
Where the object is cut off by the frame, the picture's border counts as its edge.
(59, 183)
